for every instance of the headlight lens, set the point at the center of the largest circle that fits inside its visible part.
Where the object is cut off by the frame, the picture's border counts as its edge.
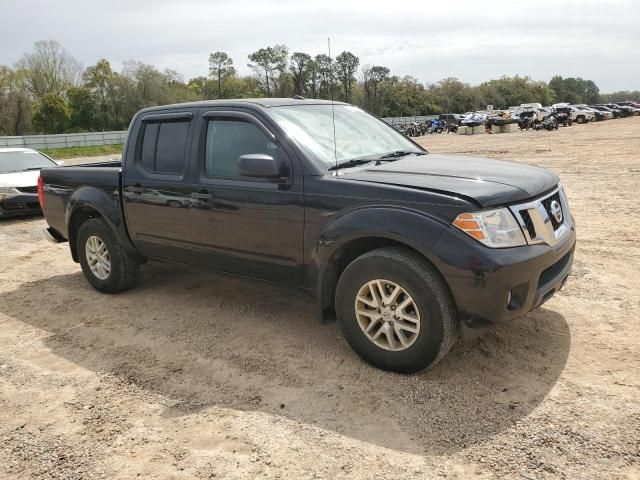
(495, 228)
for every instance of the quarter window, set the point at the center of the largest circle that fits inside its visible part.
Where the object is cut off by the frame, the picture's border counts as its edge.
(230, 138)
(164, 146)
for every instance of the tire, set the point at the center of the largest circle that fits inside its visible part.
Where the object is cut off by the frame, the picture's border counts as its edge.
(580, 119)
(434, 309)
(123, 269)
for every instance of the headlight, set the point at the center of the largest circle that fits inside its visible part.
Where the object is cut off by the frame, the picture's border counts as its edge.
(495, 228)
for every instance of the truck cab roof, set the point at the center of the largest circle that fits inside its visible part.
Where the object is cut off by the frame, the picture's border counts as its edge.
(260, 102)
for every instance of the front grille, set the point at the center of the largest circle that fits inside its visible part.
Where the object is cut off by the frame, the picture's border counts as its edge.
(27, 189)
(547, 206)
(19, 205)
(528, 223)
(13, 206)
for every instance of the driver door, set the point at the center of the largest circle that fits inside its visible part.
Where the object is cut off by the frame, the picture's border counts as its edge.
(244, 225)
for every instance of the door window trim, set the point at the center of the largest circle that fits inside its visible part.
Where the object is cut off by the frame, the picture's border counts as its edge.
(160, 118)
(239, 181)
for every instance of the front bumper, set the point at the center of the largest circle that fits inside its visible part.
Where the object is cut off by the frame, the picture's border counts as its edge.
(19, 204)
(493, 285)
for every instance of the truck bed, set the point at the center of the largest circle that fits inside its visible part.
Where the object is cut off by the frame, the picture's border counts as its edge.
(61, 183)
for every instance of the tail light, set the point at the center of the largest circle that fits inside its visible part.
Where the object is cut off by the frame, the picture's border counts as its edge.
(41, 191)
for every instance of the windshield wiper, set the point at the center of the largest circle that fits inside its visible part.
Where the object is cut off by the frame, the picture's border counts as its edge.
(354, 162)
(400, 153)
(32, 168)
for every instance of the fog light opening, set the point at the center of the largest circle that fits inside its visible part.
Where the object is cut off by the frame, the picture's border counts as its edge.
(508, 299)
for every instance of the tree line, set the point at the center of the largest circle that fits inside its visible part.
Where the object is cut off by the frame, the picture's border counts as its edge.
(49, 91)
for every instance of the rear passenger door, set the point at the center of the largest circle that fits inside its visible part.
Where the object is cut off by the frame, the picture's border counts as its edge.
(156, 186)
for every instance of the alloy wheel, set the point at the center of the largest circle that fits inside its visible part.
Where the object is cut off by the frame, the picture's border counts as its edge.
(387, 315)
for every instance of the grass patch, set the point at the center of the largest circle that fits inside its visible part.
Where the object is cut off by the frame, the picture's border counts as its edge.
(72, 152)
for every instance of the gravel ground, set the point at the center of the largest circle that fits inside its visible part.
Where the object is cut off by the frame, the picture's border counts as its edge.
(194, 375)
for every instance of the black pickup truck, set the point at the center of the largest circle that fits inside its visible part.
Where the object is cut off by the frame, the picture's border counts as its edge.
(405, 248)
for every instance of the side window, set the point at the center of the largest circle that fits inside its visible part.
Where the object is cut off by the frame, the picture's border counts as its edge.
(228, 139)
(164, 146)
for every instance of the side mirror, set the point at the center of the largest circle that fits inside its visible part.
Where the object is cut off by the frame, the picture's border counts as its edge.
(258, 165)
(59, 162)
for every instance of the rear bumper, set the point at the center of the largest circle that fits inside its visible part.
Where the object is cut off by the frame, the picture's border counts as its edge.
(493, 285)
(19, 204)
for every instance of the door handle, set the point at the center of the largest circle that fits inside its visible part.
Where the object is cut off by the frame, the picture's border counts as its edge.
(201, 195)
(135, 189)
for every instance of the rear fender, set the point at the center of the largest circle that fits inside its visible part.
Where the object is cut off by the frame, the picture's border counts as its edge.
(88, 202)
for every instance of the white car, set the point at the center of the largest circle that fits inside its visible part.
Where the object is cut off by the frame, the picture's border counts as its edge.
(540, 111)
(598, 114)
(577, 115)
(19, 172)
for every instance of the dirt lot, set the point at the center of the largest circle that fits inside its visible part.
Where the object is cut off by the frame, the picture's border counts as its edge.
(194, 375)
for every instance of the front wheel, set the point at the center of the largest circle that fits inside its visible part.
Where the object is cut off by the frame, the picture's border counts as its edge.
(104, 263)
(395, 310)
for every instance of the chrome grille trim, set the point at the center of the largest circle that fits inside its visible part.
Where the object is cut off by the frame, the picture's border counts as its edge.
(539, 228)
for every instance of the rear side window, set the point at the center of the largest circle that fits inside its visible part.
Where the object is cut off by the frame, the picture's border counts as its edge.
(164, 146)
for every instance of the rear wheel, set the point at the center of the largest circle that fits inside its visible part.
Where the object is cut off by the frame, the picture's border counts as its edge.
(104, 263)
(395, 310)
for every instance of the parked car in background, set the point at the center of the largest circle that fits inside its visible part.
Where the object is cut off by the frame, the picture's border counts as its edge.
(599, 114)
(607, 111)
(629, 104)
(617, 112)
(19, 171)
(406, 248)
(576, 115)
(625, 111)
(451, 118)
(539, 112)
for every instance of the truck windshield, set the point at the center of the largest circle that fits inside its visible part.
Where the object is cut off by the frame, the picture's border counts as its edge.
(20, 161)
(357, 134)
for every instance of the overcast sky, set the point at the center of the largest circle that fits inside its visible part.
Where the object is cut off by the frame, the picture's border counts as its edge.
(473, 40)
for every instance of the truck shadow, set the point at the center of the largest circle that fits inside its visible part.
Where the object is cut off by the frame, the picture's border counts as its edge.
(201, 340)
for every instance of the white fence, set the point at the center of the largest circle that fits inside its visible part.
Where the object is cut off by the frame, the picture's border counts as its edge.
(64, 140)
(405, 120)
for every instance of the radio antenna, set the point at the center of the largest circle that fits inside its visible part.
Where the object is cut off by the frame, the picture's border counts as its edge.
(333, 107)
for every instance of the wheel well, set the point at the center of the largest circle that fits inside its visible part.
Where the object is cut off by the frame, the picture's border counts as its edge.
(80, 216)
(340, 259)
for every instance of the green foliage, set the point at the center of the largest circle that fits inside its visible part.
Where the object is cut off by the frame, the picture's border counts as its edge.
(574, 90)
(453, 96)
(52, 114)
(269, 64)
(15, 103)
(73, 152)
(346, 68)
(621, 96)
(300, 68)
(49, 92)
(512, 91)
(220, 67)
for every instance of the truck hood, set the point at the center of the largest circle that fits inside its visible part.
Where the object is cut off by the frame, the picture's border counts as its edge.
(487, 182)
(19, 179)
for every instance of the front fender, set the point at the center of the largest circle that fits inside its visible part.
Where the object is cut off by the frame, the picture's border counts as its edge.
(404, 225)
(414, 229)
